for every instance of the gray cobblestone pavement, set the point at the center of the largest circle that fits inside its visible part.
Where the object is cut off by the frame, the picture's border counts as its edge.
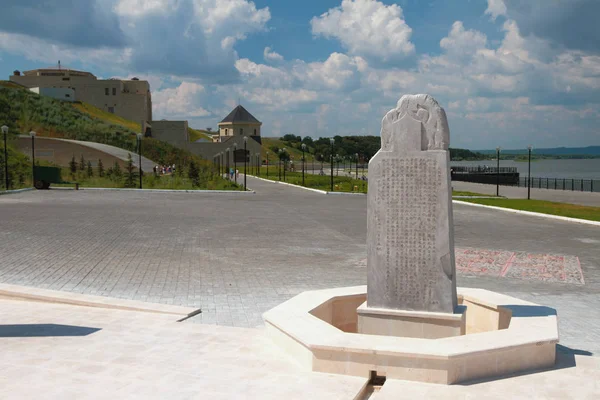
(237, 256)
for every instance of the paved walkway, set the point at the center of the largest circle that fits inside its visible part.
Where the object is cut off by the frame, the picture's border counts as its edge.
(53, 351)
(118, 152)
(57, 351)
(237, 256)
(561, 196)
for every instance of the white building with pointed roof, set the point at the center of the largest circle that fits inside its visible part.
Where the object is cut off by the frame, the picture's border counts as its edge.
(239, 122)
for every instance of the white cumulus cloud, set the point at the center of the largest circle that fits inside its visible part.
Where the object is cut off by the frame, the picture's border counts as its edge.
(495, 9)
(367, 28)
(271, 55)
(182, 101)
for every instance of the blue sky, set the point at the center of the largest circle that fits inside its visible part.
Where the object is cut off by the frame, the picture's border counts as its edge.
(509, 73)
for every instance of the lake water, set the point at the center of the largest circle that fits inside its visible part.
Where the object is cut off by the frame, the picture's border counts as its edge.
(575, 169)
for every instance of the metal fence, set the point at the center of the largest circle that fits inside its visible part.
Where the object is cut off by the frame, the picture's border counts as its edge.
(483, 170)
(580, 185)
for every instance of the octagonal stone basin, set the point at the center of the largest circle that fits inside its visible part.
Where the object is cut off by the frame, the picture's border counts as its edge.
(503, 335)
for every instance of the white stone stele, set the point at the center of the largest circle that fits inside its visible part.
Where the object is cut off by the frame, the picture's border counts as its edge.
(410, 243)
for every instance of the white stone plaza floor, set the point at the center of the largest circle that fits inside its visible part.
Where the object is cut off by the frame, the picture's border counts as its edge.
(59, 351)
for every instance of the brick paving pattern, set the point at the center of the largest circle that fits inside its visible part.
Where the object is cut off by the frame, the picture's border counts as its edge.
(519, 265)
(237, 256)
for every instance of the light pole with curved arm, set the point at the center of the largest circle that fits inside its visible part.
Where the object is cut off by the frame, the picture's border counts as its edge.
(332, 141)
(139, 138)
(5, 132)
(235, 162)
(32, 134)
(303, 150)
(245, 161)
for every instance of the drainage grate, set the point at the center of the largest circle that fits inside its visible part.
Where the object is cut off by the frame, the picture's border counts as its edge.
(373, 386)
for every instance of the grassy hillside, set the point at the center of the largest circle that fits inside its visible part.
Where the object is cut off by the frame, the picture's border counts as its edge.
(11, 85)
(269, 143)
(24, 111)
(19, 168)
(101, 115)
(196, 134)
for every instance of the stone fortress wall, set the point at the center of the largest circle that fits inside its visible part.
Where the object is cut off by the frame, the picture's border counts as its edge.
(129, 99)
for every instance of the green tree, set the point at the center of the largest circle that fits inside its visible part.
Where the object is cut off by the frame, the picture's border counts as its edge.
(116, 172)
(90, 170)
(194, 174)
(100, 168)
(129, 172)
(73, 166)
(308, 141)
(82, 163)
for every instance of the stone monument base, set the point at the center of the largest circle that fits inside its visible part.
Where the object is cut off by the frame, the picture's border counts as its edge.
(504, 335)
(414, 324)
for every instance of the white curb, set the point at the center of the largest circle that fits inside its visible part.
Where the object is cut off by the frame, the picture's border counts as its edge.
(531, 213)
(170, 190)
(534, 214)
(15, 191)
(307, 188)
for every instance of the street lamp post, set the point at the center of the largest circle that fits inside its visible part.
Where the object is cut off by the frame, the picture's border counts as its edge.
(245, 160)
(356, 165)
(321, 162)
(228, 164)
(337, 167)
(529, 174)
(332, 141)
(32, 134)
(497, 171)
(284, 164)
(279, 169)
(235, 162)
(139, 138)
(303, 150)
(267, 164)
(5, 132)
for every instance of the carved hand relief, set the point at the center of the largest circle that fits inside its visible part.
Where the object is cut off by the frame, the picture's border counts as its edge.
(435, 134)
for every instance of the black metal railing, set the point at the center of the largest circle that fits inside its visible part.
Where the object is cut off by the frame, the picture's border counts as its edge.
(483, 170)
(573, 184)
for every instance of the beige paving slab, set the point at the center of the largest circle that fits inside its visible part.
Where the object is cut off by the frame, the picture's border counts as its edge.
(575, 377)
(143, 355)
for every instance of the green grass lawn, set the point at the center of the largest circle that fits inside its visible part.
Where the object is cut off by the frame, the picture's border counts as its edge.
(149, 181)
(344, 183)
(341, 183)
(464, 193)
(544, 207)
